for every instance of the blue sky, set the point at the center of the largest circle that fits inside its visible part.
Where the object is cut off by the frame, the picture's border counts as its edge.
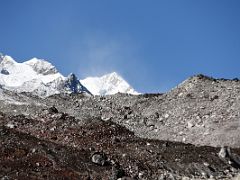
(153, 44)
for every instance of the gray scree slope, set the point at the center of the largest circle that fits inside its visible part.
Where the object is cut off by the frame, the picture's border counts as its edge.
(200, 111)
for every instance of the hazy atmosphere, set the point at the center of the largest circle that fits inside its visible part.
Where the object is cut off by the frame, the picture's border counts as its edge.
(154, 45)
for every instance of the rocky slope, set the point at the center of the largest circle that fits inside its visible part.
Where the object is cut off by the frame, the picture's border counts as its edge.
(201, 111)
(146, 135)
(55, 145)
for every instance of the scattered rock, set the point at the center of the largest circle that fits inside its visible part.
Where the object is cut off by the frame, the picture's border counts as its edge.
(52, 110)
(190, 124)
(99, 158)
(117, 172)
(33, 147)
(224, 152)
(5, 178)
(10, 125)
(166, 116)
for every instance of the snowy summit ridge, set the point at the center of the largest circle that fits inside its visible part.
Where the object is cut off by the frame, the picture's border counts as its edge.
(108, 84)
(41, 66)
(41, 78)
(36, 76)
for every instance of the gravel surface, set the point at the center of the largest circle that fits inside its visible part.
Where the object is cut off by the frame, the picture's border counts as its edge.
(55, 145)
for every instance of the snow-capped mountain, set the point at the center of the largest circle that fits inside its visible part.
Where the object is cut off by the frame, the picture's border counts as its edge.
(43, 79)
(108, 84)
(37, 76)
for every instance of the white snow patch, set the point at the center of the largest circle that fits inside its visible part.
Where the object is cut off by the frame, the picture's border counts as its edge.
(108, 84)
(10, 125)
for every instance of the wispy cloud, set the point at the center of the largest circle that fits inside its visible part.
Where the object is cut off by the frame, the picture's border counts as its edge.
(98, 55)
(102, 56)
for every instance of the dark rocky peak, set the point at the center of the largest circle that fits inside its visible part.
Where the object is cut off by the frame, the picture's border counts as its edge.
(74, 85)
(72, 77)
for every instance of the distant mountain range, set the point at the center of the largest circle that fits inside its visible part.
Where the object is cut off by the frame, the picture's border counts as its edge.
(41, 78)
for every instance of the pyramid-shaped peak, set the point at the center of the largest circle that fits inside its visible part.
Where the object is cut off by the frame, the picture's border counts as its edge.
(113, 77)
(111, 83)
(113, 74)
(74, 85)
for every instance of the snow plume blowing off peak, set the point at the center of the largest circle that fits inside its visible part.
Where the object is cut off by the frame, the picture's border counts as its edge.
(108, 84)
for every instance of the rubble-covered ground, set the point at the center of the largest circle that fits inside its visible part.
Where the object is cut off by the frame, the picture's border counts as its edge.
(73, 136)
(200, 111)
(55, 145)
